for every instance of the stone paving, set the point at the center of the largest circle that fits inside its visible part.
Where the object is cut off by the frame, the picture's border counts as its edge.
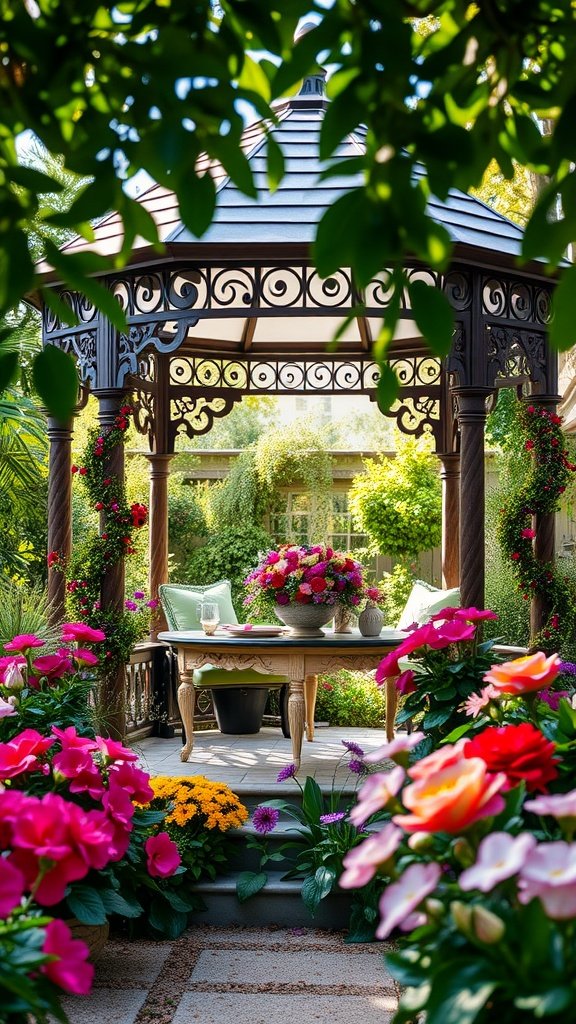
(241, 976)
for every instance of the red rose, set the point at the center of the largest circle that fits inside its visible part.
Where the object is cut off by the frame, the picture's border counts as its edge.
(278, 580)
(317, 584)
(520, 751)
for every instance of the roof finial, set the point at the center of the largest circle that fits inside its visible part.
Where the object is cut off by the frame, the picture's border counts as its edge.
(313, 85)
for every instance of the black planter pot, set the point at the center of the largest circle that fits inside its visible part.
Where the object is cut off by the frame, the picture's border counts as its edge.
(239, 709)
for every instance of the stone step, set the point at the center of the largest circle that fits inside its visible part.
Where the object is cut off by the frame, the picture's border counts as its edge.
(278, 904)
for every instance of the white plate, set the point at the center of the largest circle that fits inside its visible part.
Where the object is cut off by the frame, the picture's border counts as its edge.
(248, 630)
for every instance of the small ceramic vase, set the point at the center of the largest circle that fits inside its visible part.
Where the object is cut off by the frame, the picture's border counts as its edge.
(371, 620)
(343, 619)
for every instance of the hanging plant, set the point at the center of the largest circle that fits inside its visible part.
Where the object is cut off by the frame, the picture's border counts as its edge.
(549, 472)
(99, 552)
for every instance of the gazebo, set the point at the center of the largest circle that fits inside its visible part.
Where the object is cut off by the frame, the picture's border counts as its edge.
(242, 311)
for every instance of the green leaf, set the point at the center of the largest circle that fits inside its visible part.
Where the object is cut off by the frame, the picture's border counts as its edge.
(8, 368)
(274, 163)
(249, 883)
(316, 887)
(433, 315)
(387, 388)
(312, 800)
(114, 903)
(562, 329)
(86, 904)
(33, 180)
(434, 719)
(459, 993)
(179, 901)
(552, 1002)
(165, 919)
(196, 203)
(254, 78)
(56, 381)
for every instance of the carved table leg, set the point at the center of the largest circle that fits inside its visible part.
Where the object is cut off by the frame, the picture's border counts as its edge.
(186, 702)
(296, 706)
(310, 690)
(391, 705)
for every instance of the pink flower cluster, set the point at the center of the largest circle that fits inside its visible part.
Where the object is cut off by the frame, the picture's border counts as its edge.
(20, 667)
(306, 574)
(446, 627)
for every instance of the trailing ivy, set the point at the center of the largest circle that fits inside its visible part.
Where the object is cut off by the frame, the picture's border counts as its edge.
(548, 474)
(99, 552)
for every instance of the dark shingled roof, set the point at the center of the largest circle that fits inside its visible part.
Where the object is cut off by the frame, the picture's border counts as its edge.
(292, 212)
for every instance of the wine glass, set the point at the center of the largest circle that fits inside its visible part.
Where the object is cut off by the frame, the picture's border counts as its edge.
(209, 617)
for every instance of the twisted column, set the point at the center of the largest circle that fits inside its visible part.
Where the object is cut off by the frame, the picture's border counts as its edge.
(112, 696)
(158, 550)
(59, 514)
(472, 420)
(450, 477)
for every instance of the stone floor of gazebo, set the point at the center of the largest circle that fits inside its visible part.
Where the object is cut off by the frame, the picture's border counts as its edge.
(253, 761)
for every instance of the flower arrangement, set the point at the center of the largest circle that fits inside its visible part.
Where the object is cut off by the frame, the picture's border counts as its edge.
(115, 541)
(547, 478)
(305, 574)
(199, 813)
(475, 841)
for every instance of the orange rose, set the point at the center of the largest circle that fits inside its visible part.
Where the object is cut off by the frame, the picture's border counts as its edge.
(524, 675)
(451, 799)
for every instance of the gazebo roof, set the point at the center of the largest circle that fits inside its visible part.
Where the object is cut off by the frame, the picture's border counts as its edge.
(292, 212)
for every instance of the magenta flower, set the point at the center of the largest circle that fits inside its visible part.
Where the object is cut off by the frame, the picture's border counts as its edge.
(405, 683)
(403, 897)
(500, 856)
(23, 643)
(139, 594)
(22, 752)
(356, 767)
(153, 603)
(115, 751)
(84, 657)
(79, 632)
(69, 738)
(163, 859)
(12, 886)
(131, 605)
(52, 666)
(70, 970)
(528, 534)
(265, 819)
(474, 614)
(376, 793)
(362, 862)
(451, 633)
(6, 710)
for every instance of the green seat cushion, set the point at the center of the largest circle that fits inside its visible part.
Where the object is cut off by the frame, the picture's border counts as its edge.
(424, 601)
(208, 677)
(180, 603)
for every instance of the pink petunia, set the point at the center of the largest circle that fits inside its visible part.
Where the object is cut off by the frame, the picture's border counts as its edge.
(115, 751)
(374, 795)
(403, 897)
(81, 633)
(22, 752)
(70, 971)
(162, 855)
(500, 856)
(362, 862)
(474, 614)
(405, 683)
(401, 745)
(549, 874)
(70, 738)
(23, 643)
(559, 805)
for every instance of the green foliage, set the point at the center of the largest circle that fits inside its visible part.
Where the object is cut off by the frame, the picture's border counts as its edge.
(25, 992)
(242, 427)
(547, 474)
(350, 699)
(229, 554)
(397, 585)
(240, 498)
(425, 98)
(398, 502)
(24, 609)
(186, 520)
(23, 472)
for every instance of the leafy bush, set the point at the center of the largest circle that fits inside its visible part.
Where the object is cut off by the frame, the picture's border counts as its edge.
(397, 586)
(350, 699)
(24, 609)
(398, 502)
(228, 555)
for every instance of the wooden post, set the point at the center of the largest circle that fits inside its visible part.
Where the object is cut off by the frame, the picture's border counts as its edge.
(158, 549)
(472, 419)
(59, 514)
(450, 477)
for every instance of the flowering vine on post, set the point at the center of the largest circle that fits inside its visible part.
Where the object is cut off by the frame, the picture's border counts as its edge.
(92, 559)
(539, 495)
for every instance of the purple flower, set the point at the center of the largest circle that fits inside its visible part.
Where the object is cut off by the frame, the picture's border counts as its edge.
(354, 748)
(131, 606)
(330, 819)
(552, 697)
(288, 772)
(139, 594)
(357, 767)
(568, 667)
(282, 597)
(265, 819)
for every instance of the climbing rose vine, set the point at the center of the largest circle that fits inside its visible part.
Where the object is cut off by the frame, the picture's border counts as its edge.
(549, 474)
